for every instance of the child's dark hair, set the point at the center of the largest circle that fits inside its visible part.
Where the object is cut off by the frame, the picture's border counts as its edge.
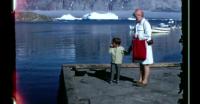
(116, 40)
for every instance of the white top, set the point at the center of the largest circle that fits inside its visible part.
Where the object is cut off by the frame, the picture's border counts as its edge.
(117, 54)
(143, 32)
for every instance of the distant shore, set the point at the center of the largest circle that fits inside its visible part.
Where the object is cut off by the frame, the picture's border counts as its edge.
(121, 14)
(27, 16)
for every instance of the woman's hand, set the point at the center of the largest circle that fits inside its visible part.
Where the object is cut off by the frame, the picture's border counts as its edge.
(135, 36)
(126, 52)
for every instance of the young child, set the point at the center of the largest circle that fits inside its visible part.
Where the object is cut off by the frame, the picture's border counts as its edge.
(117, 53)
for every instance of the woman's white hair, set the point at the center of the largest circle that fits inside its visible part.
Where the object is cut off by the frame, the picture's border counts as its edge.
(139, 10)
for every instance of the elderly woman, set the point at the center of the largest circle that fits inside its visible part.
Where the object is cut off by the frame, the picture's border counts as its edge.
(143, 32)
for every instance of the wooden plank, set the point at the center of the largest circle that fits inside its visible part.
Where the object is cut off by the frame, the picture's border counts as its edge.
(105, 66)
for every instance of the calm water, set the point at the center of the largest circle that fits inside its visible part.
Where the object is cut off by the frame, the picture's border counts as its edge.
(42, 47)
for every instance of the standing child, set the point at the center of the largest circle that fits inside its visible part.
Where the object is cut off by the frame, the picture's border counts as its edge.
(117, 53)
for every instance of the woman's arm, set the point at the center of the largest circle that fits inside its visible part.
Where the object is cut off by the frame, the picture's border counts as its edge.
(128, 51)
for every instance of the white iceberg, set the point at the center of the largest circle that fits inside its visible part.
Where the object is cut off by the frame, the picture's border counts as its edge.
(131, 27)
(130, 18)
(68, 17)
(171, 21)
(163, 25)
(100, 16)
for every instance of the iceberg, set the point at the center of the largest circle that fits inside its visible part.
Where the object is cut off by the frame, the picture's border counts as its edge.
(130, 18)
(171, 21)
(100, 16)
(68, 17)
(163, 25)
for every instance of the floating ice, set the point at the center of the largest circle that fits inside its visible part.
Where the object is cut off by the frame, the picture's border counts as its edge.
(130, 18)
(163, 25)
(101, 16)
(68, 17)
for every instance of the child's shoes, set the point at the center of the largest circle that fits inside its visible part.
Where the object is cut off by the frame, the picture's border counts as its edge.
(117, 82)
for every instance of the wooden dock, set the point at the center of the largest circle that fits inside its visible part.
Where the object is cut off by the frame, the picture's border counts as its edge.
(88, 84)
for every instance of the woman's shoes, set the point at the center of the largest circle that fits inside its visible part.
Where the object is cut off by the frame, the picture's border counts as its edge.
(140, 84)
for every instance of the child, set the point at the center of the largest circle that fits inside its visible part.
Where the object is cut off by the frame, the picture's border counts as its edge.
(117, 53)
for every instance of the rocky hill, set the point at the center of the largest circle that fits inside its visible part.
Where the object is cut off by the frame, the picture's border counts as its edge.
(101, 5)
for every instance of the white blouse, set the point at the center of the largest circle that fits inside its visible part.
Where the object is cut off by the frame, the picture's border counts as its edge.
(143, 32)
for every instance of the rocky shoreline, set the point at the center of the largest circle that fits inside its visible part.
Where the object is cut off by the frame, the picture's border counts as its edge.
(30, 17)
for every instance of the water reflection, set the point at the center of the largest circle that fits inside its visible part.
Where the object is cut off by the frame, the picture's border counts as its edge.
(85, 43)
(167, 47)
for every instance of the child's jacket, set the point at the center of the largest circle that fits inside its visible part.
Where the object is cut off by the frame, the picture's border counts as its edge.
(117, 54)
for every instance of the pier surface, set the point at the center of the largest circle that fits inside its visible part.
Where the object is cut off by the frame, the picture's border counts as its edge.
(88, 84)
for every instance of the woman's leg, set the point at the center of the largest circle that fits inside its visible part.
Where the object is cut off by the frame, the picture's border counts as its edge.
(146, 74)
(141, 76)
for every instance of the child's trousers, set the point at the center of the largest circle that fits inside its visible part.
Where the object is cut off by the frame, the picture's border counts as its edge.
(115, 68)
